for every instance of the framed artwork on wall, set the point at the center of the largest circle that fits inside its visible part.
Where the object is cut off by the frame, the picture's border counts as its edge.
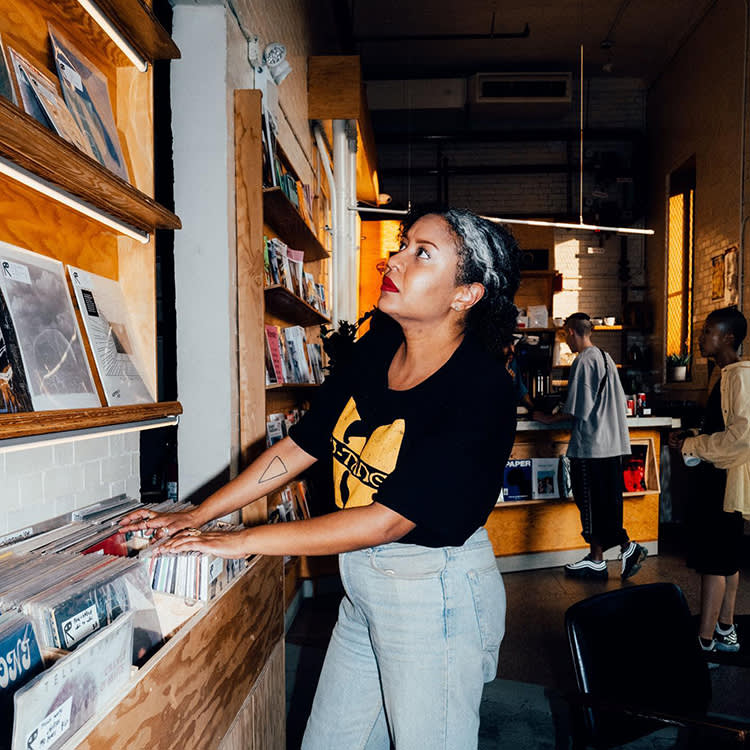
(731, 276)
(717, 277)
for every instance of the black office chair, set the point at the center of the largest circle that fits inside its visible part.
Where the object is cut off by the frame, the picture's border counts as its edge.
(631, 683)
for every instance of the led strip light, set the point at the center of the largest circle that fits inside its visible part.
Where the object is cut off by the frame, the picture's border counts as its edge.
(106, 26)
(9, 169)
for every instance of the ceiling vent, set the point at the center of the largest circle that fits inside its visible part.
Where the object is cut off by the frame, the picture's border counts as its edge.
(516, 94)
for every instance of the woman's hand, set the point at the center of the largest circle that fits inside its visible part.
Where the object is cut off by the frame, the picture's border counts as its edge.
(163, 524)
(229, 544)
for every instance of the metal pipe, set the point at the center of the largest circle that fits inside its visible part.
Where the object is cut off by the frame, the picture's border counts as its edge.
(340, 230)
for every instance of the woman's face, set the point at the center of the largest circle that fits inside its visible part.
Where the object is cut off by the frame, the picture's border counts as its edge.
(420, 279)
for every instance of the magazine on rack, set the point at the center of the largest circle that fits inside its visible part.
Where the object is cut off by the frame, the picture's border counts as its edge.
(36, 292)
(86, 93)
(517, 480)
(544, 478)
(111, 335)
(39, 93)
(6, 80)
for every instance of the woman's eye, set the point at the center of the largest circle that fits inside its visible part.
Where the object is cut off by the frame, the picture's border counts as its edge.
(422, 253)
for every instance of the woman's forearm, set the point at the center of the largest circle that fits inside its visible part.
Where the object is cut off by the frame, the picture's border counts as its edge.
(274, 467)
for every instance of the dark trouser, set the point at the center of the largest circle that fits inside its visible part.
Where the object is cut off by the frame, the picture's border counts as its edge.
(597, 489)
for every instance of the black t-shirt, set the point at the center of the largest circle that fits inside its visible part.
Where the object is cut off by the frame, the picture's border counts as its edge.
(435, 453)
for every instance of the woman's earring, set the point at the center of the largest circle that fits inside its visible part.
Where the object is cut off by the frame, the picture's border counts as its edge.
(455, 307)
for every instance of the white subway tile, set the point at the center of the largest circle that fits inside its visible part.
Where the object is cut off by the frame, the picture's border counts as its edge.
(28, 461)
(63, 454)
(91, 449)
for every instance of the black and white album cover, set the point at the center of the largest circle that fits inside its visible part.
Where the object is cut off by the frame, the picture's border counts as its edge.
(57, 369)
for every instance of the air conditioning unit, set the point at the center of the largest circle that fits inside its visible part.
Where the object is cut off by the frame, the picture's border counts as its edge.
(521, 94)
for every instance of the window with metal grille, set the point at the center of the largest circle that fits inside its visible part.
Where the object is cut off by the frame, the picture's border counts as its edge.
(679, 330)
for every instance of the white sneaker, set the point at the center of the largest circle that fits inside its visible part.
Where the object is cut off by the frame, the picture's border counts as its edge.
(587, 568)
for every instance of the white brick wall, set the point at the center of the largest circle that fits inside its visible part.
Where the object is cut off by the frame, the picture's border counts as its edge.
(49, 480)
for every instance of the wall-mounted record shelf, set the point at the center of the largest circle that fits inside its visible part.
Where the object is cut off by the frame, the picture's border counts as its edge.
(30, 423)
(134, 19)
(288, 386)
(40, 151)
(284, 304)
(281, 215)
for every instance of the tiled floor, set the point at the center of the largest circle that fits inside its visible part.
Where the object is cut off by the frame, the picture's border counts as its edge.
(534, 652)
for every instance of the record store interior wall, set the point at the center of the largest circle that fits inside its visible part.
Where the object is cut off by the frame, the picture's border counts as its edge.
(213, 41)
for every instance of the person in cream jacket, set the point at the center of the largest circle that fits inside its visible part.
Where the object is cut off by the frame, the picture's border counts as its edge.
(715, 512)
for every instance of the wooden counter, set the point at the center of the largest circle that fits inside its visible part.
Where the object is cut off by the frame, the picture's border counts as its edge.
(546, 533)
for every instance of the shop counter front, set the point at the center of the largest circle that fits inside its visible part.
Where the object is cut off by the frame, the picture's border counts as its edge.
(541, 533)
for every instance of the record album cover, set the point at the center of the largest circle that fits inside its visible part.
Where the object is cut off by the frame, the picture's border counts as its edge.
(111, 335)
(86, 93)
(6, 81)
(57, 369)
(43, 88)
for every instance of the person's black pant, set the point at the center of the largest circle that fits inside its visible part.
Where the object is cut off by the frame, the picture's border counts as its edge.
(597, 490)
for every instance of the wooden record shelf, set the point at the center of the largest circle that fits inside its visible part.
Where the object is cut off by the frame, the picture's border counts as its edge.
(286, 305)
(134, 19)
(282, 216)
(30, 423)
(296, 386)
(29, 144)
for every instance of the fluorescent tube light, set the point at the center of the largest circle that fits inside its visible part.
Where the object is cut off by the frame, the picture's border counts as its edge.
(10, 445)
(566, 225)
(9, 169)
(106, 25)
(528, 222)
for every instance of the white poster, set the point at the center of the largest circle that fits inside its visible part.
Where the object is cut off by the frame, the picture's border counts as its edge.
(57, 369)
(105, 318)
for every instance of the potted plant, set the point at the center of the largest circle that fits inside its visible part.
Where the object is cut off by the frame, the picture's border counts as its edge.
(677, 365)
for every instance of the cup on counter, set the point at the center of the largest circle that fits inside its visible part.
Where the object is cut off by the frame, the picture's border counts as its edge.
(609, 321)
(558, 322)
(691, 460)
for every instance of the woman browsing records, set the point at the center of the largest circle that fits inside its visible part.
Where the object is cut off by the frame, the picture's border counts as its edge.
(420, 422)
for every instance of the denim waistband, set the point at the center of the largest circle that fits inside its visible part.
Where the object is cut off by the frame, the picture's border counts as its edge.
(477, 540)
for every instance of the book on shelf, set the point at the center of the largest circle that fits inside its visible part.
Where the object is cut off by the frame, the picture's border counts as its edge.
(273, 340)
(14, 388)
(282, 264)
(6, 78)
(516, 480)
(298, 363)
(544, 478)
(315, 355)
(86, 93)
(54, 360)
(111, 336)
(296, 260)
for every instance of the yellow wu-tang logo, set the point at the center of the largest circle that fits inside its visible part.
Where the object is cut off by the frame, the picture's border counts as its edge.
(363, 456)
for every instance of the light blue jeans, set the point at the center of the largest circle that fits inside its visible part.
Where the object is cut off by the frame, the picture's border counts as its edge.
(417, 636)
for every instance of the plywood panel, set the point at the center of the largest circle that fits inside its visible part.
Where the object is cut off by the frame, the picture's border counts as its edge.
(259, 725)
(334, 87)
(43, 226)
(516, 529)
(188, 695)
(269, 727)
(249, 206)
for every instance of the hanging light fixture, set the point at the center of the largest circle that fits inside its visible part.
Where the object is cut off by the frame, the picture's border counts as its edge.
(581, 225)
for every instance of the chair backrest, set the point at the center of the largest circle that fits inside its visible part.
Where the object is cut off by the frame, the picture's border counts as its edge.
(637, 645)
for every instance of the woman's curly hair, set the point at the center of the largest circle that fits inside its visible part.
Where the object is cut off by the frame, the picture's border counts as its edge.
(488, 254)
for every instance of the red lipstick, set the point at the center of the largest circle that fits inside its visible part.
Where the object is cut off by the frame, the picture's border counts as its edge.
(387, 285)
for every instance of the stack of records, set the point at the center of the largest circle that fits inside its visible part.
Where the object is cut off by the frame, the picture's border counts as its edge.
(195, 576)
